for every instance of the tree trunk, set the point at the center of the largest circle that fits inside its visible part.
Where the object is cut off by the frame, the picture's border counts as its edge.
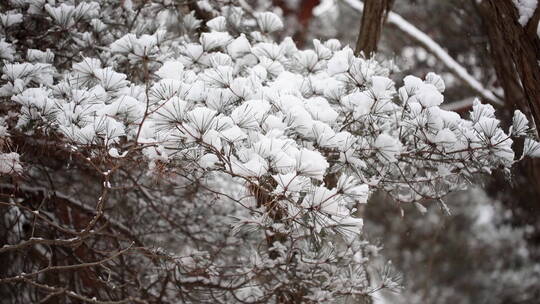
(522, 46)
(507, 76)
(302, 14)
(515, 51)
(373, 18)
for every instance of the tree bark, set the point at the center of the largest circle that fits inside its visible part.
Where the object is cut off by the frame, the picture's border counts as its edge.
(522, 46)
(507, 76)
(373, 18)
(515, 51)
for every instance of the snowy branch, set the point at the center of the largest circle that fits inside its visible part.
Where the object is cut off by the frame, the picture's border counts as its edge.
(434, 48)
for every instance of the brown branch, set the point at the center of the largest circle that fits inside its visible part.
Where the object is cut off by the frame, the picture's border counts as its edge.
(71, 294)
(63, 267)
(373, 17)
(39, 193)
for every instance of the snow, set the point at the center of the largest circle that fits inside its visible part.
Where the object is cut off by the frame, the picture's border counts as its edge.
(268, 146)
(428, 96)
(320, 109)
(269, 22)
(192, 53)
(324, 135)
(325, 199)
(339, 63)
(290, 182)
(445, 137)
(9, 163)
(287, 82)
(387, 147)
(311, 164)
(219, 59)
(271, 51)
(40, 56)
(526, 10)
(300, 119)
(520, 124)
(6, 50)
(350, 186)
(531, 148)
(109, 79)
(202, 119)
(218, 24)
(114, 153)
(255, 108)
(322, 51)
(10, 19)
(255, 167)
(239, 46)
(171, 70)
(308, 60)
(233, 134)
(436, 80)
(213, 40)
(219, 77)
(412, 84)
(382, 87)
